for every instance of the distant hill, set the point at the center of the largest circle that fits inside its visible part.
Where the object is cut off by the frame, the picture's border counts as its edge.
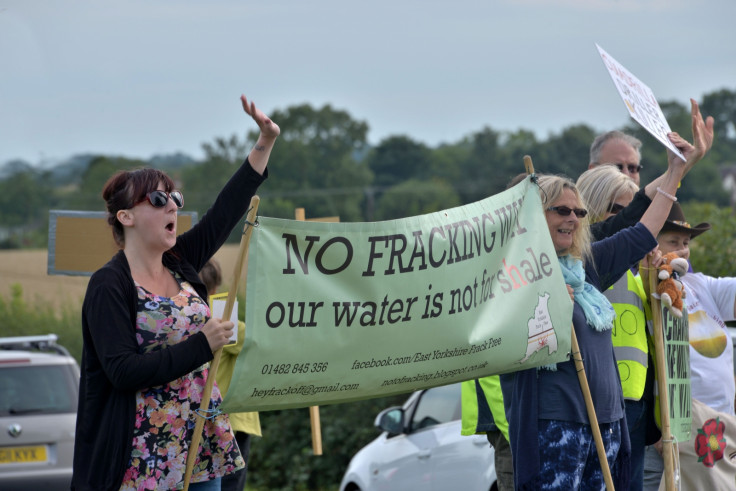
(12, 167)
(172, 161)
(67, 171)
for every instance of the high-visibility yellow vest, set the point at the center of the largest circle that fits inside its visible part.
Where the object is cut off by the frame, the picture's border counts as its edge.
(482, 406)
(630, 333)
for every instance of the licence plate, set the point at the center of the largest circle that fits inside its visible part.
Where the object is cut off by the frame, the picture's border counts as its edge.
(19, 455)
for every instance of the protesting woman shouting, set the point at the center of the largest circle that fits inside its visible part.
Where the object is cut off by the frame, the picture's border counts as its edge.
(148, 334)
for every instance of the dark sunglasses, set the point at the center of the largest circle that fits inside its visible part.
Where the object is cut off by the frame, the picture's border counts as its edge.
(158, 199)
(564, 211)
(633, 168)
(615, 208)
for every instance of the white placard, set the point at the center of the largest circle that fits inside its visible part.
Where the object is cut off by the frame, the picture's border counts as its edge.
(217, 305)
(640, 101)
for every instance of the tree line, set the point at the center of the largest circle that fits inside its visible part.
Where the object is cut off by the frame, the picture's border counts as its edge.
(323, 162)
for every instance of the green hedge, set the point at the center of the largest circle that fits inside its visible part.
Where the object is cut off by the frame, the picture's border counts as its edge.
(23, 318)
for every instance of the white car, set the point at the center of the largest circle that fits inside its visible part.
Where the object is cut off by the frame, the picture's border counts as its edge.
(39, 387)
(732, 333)
(421, 447)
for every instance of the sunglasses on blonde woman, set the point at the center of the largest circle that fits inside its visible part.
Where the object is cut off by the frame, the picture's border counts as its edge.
(158, 199)
(564, 211)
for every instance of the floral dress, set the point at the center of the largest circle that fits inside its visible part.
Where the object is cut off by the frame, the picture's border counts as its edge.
(165, 415)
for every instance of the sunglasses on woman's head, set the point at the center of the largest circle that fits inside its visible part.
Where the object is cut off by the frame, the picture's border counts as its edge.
(158, 199)
(564, 211)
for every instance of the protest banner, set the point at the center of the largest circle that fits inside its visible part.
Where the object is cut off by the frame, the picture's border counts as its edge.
(677, 360)
(669, 448)
(338, 312)
(709, 460)
(640, 101)
(673, 404)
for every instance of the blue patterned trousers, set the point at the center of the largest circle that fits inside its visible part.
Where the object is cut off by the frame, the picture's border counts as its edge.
(568, 456)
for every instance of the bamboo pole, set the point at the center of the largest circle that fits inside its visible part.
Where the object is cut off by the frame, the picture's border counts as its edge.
(668, 447)
(583, 380)
(314, 420)
(229, 304)
(600, 448)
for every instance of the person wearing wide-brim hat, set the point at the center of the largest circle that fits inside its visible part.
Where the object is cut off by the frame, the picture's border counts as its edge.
(710, 302)
(676, 223)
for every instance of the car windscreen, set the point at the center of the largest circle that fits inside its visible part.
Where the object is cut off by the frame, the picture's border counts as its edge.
(436, 406)
(37, 389)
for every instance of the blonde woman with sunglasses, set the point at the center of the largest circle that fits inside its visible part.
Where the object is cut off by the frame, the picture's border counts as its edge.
(550, 435)
(607, 191)
(148, 334)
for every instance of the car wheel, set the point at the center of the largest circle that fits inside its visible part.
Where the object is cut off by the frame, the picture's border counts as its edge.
(352, 487)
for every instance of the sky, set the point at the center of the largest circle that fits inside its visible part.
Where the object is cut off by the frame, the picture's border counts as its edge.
(143, 78)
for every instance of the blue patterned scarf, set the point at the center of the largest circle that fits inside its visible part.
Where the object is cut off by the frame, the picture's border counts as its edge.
(598, 310)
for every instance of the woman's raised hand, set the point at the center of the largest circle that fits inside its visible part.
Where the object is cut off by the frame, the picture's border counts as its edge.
(702, 132)
(260, 153)
(702, 139)
(268, 128)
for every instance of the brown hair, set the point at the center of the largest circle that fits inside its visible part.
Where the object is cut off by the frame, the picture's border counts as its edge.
(127, 188)
(211, 275)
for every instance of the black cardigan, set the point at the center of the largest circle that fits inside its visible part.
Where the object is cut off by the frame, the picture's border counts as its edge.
(113, 366)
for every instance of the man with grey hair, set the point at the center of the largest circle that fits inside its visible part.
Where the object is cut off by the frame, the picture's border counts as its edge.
(619, 149)
(631, 341)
